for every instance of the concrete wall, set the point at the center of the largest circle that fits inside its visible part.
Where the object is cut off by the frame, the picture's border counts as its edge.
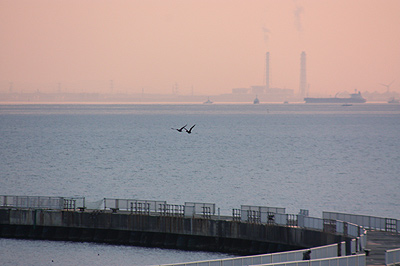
(159, 231)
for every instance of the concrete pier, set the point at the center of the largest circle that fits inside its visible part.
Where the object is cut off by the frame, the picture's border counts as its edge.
(178, 232)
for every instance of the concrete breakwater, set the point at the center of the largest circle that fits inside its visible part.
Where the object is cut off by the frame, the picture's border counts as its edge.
(177, 232)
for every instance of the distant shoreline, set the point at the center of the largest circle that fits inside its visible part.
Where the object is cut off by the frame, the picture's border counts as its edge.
(170, 103)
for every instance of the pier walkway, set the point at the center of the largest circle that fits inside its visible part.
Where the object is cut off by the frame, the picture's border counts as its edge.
(378, 242)
(335, 239)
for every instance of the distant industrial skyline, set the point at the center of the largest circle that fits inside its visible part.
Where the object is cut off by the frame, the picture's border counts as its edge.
(198, 47)
(254, 89)
(238, 95)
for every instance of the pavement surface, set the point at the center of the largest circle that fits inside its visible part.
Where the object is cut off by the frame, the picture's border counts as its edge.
(378, 242)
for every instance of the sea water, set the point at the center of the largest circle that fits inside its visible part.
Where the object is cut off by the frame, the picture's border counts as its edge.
(319, 157)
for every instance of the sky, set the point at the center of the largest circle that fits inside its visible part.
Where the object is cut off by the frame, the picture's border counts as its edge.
(201, 47)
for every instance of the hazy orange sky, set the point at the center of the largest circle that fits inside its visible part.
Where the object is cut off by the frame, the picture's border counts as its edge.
(210, 46)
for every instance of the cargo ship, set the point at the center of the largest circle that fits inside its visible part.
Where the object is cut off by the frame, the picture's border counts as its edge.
(354, 98)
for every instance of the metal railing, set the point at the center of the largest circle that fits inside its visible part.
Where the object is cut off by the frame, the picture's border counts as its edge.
(368, 222)
(322, 252)
(262, 209)
(353, 260)
(171, 210)
(392, 257)
(310, 222)
(259, 214)
(132, 205)
(236, 214)
(139, 207)
(159, 207)
(69, 204)
(205, 209)
(41, 202)
(295, 220)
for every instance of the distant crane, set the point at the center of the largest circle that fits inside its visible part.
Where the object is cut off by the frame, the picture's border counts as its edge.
(387, 85)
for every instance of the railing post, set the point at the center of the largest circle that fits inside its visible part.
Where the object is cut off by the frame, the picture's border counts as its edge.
(386, 258)
(235, 214)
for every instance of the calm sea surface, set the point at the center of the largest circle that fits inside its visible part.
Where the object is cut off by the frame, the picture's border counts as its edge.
(297, 156)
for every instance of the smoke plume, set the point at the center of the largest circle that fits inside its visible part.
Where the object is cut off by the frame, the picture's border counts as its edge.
(266, 33)
(298, 12)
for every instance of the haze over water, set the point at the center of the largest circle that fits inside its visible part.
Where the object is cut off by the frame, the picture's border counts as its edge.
(205, 47)
(296, 156)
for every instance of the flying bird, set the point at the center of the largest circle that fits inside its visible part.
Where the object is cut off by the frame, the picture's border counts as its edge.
(190, 130)
(180, 129)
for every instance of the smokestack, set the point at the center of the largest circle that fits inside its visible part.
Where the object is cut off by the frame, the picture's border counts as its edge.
(303, 75)
(267, 72)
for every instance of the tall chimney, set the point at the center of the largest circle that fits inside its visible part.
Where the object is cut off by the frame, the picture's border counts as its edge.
(267, 72)
(303, 75)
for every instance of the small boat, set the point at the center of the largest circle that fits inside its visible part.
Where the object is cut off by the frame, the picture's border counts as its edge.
(347, 104)
(393, 100)
(285, 102)
(256, 100)
(208, 101)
